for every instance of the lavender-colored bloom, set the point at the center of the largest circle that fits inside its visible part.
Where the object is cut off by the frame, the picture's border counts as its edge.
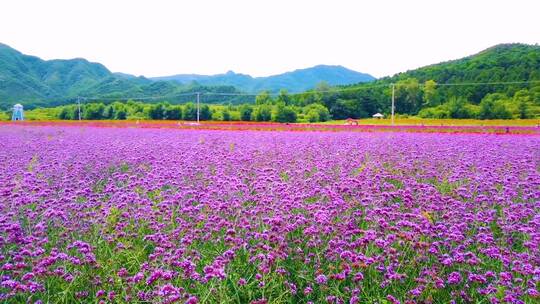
(454, 278)
(358, 277)
(392, 299)
(321, 279)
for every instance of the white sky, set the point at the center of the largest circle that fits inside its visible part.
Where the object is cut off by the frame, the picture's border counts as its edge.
(159, 37)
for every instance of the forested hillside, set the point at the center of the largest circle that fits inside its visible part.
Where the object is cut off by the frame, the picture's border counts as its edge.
(430, 91)
(47, 83)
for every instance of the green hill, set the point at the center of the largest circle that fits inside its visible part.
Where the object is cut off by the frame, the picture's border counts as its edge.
(28, 78)
(47, 83)
(501, 63)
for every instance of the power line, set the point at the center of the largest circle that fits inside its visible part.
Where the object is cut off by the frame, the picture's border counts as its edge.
(139, 98)
(362, 87)
(486, 83)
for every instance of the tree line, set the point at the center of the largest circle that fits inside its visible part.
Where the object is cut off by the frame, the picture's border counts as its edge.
(426, 100)
(265, 109)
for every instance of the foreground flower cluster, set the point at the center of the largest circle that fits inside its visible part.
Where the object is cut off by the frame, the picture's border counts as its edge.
(116, 215)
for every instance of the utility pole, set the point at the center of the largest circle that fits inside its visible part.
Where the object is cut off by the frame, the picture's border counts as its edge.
(393, 97)
(198, 107)
(79, 104)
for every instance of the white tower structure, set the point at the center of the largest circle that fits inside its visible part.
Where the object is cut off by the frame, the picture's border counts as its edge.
(18, 113)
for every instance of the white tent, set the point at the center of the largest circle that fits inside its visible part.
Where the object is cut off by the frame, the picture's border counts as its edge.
(378, 115)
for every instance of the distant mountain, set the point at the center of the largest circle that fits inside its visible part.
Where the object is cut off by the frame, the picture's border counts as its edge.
(36, 82)
(24, 77)
(295, 81)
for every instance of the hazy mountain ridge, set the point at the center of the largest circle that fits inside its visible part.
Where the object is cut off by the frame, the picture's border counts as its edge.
(37, 82)
(295, 81)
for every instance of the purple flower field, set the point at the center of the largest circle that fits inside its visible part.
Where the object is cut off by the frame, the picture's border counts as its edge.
(127, 215)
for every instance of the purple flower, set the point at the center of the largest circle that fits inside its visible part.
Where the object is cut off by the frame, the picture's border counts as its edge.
(392, 299)
(321, 279)
(358, 277)
(454, 278)
(122, 272)
(192, 300)
(532, 292)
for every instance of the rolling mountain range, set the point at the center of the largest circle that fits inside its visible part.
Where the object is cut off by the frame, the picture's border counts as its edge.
(295, 81)
(45, 83)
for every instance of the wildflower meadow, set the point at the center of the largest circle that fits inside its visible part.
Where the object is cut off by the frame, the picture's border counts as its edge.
(147, 215)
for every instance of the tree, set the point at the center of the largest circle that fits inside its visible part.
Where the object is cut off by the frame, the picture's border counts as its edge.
(263, 113)
(322, 113)
(535, 95)
(430, 91)
(173, 113)
(523, 109)
(190, 111)
(284, 114)
(245, 112)
(339, 110)
(283, 97)
(348, 108)
(108, 112)
(523, 98)
(205, 113)
(457, 108)
(313, 116)
(226, 115)
(492, 106)
(263, 98)
(434, 112)
(121, 114)
(323, 87)
(156, 111)
(407, 96)
(325, 94)
(93, 111)
(65, 113)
